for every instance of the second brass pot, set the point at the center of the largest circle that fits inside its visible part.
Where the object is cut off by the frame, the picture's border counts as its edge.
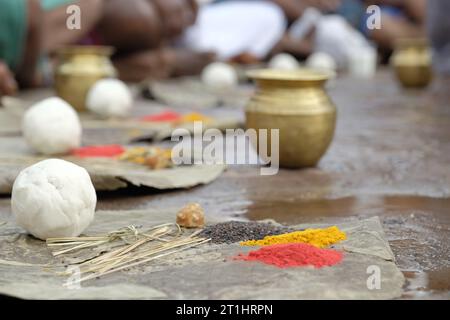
(78, 69)
(296, 103)
(412, 62)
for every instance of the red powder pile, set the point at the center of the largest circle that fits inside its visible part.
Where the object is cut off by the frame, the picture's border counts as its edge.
(165, 116)
(105, 151)
(293, 255)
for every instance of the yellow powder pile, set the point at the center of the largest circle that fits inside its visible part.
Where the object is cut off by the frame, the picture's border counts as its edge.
(320, 238)
(194, 116)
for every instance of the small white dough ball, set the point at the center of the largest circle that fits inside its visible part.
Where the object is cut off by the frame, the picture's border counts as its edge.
(51, 127)
(53, 198)
(284, 61)
(109, 98)
(219, 75)
(321, 61)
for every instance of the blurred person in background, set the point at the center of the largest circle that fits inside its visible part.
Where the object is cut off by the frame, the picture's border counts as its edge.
(141, 31)
(254, 29)
(327, 32)
(165, 38)
(20, 31)
(399, 19)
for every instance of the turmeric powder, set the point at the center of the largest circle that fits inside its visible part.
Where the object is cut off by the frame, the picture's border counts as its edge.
(195, 116)
(320, 238)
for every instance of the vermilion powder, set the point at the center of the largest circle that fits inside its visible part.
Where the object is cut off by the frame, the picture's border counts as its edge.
(104, 151)
(293, 255)
(165, 116)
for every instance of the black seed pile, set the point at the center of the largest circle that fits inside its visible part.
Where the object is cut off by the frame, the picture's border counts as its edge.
(236, 231)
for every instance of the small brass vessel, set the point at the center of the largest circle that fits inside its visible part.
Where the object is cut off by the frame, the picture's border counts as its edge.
(296, 103)
(412, 62)
(79, 67)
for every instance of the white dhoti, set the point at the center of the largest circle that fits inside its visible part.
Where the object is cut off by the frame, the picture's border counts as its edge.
(235, 27)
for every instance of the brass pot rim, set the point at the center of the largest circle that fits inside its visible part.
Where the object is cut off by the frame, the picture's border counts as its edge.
(412, 42)
(301, 74)
(89, 49)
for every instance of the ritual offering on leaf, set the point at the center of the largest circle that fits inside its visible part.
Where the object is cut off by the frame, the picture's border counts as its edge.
(157, 257)
(111, 167)
(152, 157)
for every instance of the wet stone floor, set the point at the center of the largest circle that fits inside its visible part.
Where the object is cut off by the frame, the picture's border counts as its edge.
(390, 158)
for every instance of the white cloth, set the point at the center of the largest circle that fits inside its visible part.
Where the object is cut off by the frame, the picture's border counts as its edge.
(235, 27)
(333, 35)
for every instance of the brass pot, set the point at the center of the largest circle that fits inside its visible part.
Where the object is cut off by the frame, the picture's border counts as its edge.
(79, 67)
(412, 62)
(296, 103)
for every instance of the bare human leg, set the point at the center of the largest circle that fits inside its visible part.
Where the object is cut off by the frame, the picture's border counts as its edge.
(27, 74)
(55, 34)
(394, 28)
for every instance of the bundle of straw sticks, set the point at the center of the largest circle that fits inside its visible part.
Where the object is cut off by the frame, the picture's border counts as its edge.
(125, 248)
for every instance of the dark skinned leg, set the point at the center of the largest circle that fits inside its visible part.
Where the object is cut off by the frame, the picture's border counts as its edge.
(8, 85)
(55, 33)
(130, 26)
(27, 74)
(393, 28)
(298, 48)
(161, 63)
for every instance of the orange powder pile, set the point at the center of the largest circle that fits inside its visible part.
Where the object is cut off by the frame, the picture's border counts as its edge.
(293, 255)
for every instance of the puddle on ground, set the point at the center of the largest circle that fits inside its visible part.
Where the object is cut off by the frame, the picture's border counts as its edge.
(294, 212)
(414, 226)
(429, 284)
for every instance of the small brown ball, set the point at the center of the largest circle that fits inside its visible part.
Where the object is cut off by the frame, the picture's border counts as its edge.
(191, 216)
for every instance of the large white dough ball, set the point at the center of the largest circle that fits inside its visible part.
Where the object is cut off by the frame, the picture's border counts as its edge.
(219, 75)
(53, 198)
(284, 61)
(321, 61)
(109, 98)
(52, 126)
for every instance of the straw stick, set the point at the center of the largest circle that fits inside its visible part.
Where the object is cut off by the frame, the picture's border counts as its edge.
(135, 247)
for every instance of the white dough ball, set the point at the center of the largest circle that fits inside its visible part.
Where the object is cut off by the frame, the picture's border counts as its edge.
(109, 98)
(321, 61)
(52, 126)
(219, 75)
(284, 61)
(53, 198)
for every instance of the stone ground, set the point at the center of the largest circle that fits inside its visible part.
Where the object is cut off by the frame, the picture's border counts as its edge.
(390, 158)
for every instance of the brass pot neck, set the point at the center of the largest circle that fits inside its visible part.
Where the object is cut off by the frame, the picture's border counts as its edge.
(281, 84)
(301, 78)
(71, 52)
